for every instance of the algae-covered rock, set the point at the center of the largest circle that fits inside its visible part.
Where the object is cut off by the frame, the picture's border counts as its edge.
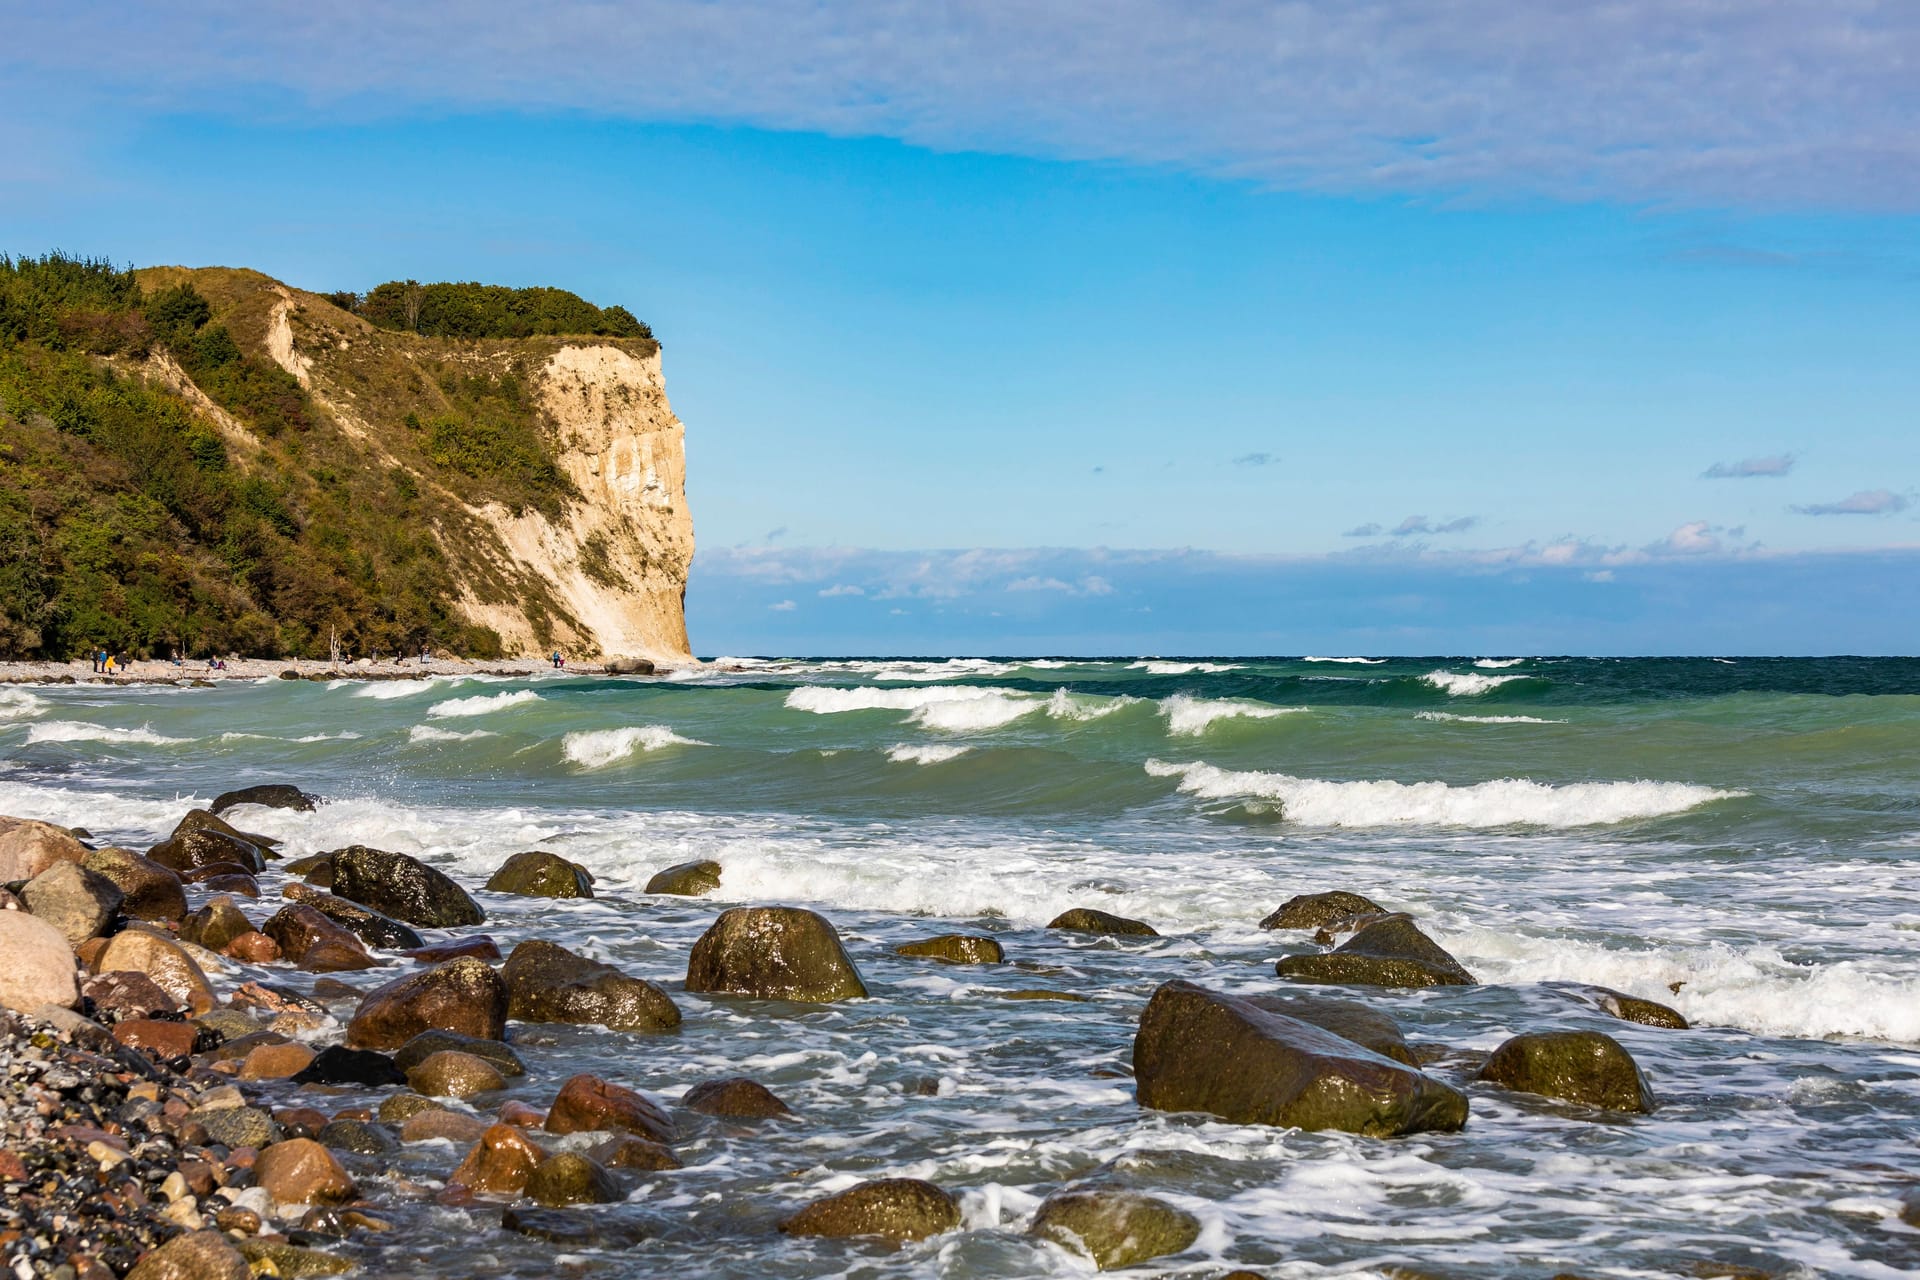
(774, 953)
(1201, 1050)
(1314, 910)
(1618, 1004)
(893, 1208)
(548, 983)
(570, 1178)
(151, 891)
(427, 1043)
(363, 922)
(538, 874)
(1348, 1019)
(466, 996)
(216, 923)
(197, 1255)
(1390, 952)
(1115, 1228)
(1087, 920)
(955, 948)
(453, 1074)
(78, 902)
(404, 888)
(290, 1261)
(1587, 1067)
(736, 1097)
(191, 850)
(270, 795)
(687, 879)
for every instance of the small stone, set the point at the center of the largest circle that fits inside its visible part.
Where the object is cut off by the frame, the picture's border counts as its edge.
(356, 1136)
(276, 1258)
(337, 1065)
(216, 924)
(277, 1061)
(586, 1103)
(499, 1163)
(301, 1171)
(955, 948)
(453, 1126)
(570, 1178)
(164, 1040)
(238, 1126)
(520, 1115)
(201, 1255)
(404, 1106)
(736, 1097)
(1088, 920)
(453, 1074)
(625, 1151)
(300, 1122)
(427, 1043)
(239, 1221)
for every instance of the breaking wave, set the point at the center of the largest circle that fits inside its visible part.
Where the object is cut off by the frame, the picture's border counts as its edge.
(1190, 717)
(74, 731)
(597, 748)
(1464, 684)
(930, 753)
(1454, 719)
(483, 704)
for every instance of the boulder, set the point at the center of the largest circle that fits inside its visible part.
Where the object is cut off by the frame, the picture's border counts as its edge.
(289, 1261)
(1087, 920)
(364, 923)
(548, 983)
(625, 1151)
(570, 1178)
(1201, 1050)
(892, 1208)
(271, 795)
(686, 879)
(537, 874)
(216, 924)
(277, 1061)
(479, 946)
(152, 892)
(244, 885)
(499, 1163)
(442, 1125)
(1587, 1067)
(774, 953)
(316, 869)
(461, 995)
(165, 1040)
(628, 667)
(1390, 952)
(28, 848)
(1348, 1019)
(252, 947)
(336, 1064)
(204, 848)
(77, 902)
(452, 1074)
(955, 948)
(117, 997)
(572, 1229)
(588, 1104)
(196, 1255)
(735, 1097)
(301, 1171)
(402, 887)
(234, 1127)
(315, 943)
(1115, 1228)
(1316, 910)
(163, 960)
(202, 820)
(1618, 1004)
(428, 1043)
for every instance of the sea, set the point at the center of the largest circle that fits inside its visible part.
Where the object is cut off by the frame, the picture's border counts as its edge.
(1738, 838)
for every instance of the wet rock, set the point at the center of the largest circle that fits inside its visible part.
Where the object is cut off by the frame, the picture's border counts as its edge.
(1586, 1067)
(194, 849)
(337, 1064)
(479, 947)
(203, 820)
(537, 874)
(1115, 1228)
(273, 1258)
(461, 995)
(238, 1126)
(1910, 1208)
(427, 1043)
(356, 1136)
(570, 1178)
(1201, 1050)
(452, 1074)
(197, 1255)
(588, 1104)
(499, 1163)
(165, 1040)
(364, 923)
(1087, 920)
(277, 1061)
(404, 888)
(774, 953)
(28, 848)
(628, 667)
(626, 1151)
(244, 885)
(315, 943)
(573, 1229)
(1391, 952)
(548, 983)
(1316, 910)
(151, 891)
(120, 996)
(300, 1122)
(163, 960)
(1348, 1019)
(301, 1171)
(955, 948)
(272, 795)
(315, 869)
(77, 902)
(892, 1208)
(1040, 993)
(1618, 1004)
(252, 948)
(440, 1124)
(402, 1107)
(227, 1023)
(216, 924)
(686, 879)
(736, 1097)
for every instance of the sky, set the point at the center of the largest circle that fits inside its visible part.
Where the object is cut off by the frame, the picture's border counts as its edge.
(1131, 327)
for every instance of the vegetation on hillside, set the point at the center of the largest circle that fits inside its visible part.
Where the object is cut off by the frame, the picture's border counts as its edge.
(476, 310)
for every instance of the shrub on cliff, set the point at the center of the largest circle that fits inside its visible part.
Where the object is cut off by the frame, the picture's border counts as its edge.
(475, 310)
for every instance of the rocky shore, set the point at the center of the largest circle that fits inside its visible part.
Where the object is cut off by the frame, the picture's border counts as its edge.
(164, 1115)
(198, 673)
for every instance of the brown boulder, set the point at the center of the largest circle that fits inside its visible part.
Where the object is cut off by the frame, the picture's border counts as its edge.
(244, 885)
(1201, 1050)
(270, 795)
(1316, 910)
(252, 948)
(1586, 1067)
(892, 1208)
(1087, 920)
(774, 953)
(438, 1122)
(452, 1074)
(301, 1171)
(570, 1178)
(548, 983)
(314, 942)
(364, 923)
(202, 820)
(163, 960)
(162, 1039)
(28, 847)
(122, 995)
(77, 902)
(736, 1097)
(193, 849)
(499, 1163)
(197, 1255)
(686, 880)
(1390, 952)
(216, 924)
(402, 888)
(955, 948)
(461, 995)
(479, 947)
(625, 1151)
(588, 1104)
(1115, 1228)
(1348, 1019)
(538, 874)
(152, 892)
(277, 1061)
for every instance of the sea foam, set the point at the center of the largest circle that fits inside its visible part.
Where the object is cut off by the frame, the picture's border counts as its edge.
(1189, 716)
(74, 731)
(483, 704)
(926, 753)
(1451, 718)
(18, 704)
(1495, 664)
(597, 748)
(1367, 662)
(428, 733)
(947, 708)
(1464, 684)
(1156, 667)
(1505, 802)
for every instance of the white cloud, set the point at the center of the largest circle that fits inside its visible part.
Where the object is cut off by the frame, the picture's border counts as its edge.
(1598, 575)
(1695, 538)
(783, 606)
(841, 589)
(1867, 502)
(1773, 465)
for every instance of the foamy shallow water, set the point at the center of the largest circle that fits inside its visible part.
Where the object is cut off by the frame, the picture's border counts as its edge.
(1757, 848)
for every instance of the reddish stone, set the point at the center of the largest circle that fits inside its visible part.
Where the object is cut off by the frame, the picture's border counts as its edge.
(301, 1171)
(89, 953)
(629, 1152)
(163, 1039)
(244, 885)
(253, 947)
(124, 994)
(277, 1061)
(521, 1116)
(300, 1122)
(361, 1114)
(455, 1126)
(201, 1176)
(588, 1103)
(202, 875)
(479, 947)
(11, 1168)
(500, 1163)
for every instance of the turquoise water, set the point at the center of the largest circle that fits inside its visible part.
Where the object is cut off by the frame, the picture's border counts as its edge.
(1748, 829)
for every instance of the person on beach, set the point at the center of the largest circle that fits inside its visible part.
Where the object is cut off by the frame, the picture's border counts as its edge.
(558, 661)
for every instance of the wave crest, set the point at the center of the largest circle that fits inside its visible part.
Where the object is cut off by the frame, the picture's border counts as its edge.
(1190, 717)
(75, 731)
(926, 753)
(1464, 684)
(483, 704)
(597, 748)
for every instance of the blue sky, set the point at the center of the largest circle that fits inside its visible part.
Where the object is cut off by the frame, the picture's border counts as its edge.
(1400, 327)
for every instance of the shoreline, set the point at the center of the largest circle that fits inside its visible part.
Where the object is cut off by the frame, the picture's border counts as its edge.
(196, 674)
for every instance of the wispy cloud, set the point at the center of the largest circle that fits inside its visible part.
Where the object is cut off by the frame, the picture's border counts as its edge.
(1867, 502)
(1420, 524)
(1256, 460)
(841, 589)
(1774, 464)
(1767, 102)
(1091, 585)
(783, 606)
(1364, 531)
(1695, 538)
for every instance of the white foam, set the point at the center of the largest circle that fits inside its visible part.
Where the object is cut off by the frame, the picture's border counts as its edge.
(387, 690)
(428, 733)
(483, 704)
(1084, 706)
(1505, 802)
(18, 704)
(1454, 719)
(1190, 717)
(597, 748)
(74, 731)
(1158, 668)
(1369, 662)
(234, 736)
(930, 753)
(1464, 684)
(947, 708)
(1495, 664)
